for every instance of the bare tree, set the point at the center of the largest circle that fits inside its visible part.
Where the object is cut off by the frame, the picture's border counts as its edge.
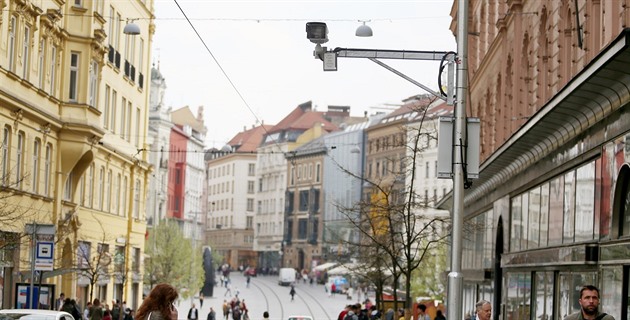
(393, 229)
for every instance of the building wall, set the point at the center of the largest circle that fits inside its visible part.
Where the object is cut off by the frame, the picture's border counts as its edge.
(67, 137)
(231, 220)
(552, 223)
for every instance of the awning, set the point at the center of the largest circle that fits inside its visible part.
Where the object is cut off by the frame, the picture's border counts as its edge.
(601, 88)
(325, 266)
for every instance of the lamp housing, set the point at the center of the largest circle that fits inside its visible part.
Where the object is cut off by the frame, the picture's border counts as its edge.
(364, 31)
(131, 29)
(317, 32)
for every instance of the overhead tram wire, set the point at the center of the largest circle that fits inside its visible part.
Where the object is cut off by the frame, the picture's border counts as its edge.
(225, 74)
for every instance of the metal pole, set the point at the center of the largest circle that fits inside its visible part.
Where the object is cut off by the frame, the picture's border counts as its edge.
(455, 277)
(33, 244)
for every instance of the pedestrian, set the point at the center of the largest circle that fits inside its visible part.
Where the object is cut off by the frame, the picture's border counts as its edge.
(422, 312)
(212, 315)
(589, 306)
(439, 315)
(96, 311)
(265, 315)
(193, 313)
(228, 289)
(333, 288)
(159, 304)
(249, 279)
(401, 314)
(200, 300)
(389, 314)
(70, 306)
(226, 310)
(59, 302)
(116, 309)
(128, 314)
(107, 315)
(86, 312)
(483, 310)
(292, 293)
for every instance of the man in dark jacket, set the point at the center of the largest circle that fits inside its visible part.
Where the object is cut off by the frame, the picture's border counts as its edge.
(589, 306)
(193, 313)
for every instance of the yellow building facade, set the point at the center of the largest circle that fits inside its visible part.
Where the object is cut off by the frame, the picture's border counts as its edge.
(74, 96)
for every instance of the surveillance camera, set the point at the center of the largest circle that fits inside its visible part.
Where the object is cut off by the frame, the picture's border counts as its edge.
(317, 32)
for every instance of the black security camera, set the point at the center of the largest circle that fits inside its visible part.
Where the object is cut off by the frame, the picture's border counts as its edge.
(317, 32)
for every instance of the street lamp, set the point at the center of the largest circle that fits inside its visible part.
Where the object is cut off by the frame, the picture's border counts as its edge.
(317, 32)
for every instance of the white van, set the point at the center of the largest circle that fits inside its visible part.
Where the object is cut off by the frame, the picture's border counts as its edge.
(286, 276)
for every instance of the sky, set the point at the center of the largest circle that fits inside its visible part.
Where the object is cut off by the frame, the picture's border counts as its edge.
(249, 62)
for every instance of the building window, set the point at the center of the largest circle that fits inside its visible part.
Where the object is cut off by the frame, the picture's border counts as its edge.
(42, 66)
(74, 76)
(47, 169)
(116, 198)
(251, 170)
(129, 108)
(12, 43)
(124, 198)
(83, 254)
(78, 3)
(101, 188)
(108, 192)
(112, 125)
(19, 161)
(250, 187)
(5, 154)
(35, 174)
(67, 190)
(250, 204)
(26, 53)
(249, 222)
(136, 202)
(53, 69)
(304, 200)
(138, 136)
(93, 84)
(123, 117)
(426, 169)
(302, 228)
(91, 178)
(106, 107)
(317, 172)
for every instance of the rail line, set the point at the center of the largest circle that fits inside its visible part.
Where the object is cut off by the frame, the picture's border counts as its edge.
(258, 285)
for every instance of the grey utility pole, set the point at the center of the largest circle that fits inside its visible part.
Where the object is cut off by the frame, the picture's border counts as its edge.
(455, 277)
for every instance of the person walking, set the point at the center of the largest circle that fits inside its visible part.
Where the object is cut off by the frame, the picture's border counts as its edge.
(589, 306)
(228, 289)
(439, 315)
(226, 310)
(292, 293)
(193, 313)
(265, 315)
(96, 311)
(200, 300)
(212, 315)
(59, 302)
(422, 312)
(159, 304)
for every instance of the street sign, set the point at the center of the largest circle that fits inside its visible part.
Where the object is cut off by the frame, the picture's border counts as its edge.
(44, 255)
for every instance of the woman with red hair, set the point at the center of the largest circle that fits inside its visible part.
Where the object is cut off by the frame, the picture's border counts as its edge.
(158, 305)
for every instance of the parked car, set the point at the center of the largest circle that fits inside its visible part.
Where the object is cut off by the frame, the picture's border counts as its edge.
(250, 271)
(34, 314)
(286, 276)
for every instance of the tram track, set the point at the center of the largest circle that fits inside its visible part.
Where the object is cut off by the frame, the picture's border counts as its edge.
(265, 293)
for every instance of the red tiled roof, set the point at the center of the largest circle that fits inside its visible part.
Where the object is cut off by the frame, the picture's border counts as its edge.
(303, 118)
(249, 140)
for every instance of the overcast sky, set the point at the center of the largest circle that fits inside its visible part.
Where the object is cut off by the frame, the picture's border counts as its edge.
(262, 47)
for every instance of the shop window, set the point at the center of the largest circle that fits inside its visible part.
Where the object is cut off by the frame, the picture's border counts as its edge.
(518, 296)
(585, 202)
(611, 291)
(543, 291)
(556, 189)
